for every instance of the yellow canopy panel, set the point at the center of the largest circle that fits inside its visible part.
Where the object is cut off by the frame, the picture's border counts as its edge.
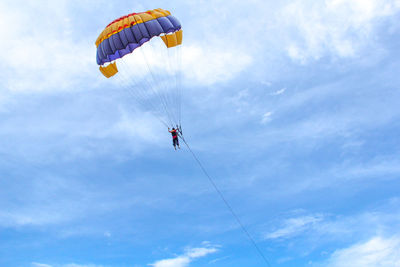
(109, 70)
(173, 39)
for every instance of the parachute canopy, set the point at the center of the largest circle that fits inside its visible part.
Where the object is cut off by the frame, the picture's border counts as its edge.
(141, 53)
(125, 34)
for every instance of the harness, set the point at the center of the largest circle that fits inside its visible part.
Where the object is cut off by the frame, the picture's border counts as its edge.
(174, 134)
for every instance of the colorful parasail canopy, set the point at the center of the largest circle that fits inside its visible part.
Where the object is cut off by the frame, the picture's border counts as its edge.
(146, 46)
(125, 34)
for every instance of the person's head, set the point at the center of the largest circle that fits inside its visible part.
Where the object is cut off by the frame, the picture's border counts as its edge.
(173, 128)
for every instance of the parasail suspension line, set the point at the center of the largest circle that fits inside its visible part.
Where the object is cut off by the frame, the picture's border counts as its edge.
(226, 202)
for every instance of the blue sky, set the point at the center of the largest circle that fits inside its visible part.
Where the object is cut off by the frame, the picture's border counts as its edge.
(292, 107)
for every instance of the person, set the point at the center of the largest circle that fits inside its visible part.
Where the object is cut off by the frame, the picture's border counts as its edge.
(175, 141)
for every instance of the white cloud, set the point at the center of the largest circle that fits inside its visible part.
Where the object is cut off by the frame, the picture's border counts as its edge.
(319, 229)
(218, 259)
(56, 54)
(174, 262)
(279, 92)
(381, 167)
(144, 127)
(185, 259)
(266, 117)
(333, 27)
(194, 253)
(213, 62)
(202, 63)
(295, 226)
(51, 55)
(313, 233)
(42, 51)
(266, 83)
(376, 252)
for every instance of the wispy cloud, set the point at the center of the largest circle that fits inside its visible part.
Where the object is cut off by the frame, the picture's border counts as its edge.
(376, 252)
(295, 226)
(74, 201)
(365, 233)
(321, 228)
(185, 259)
(266, 117)
(92, 125)
(279, 92)
(219, 259)
(352, 173)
